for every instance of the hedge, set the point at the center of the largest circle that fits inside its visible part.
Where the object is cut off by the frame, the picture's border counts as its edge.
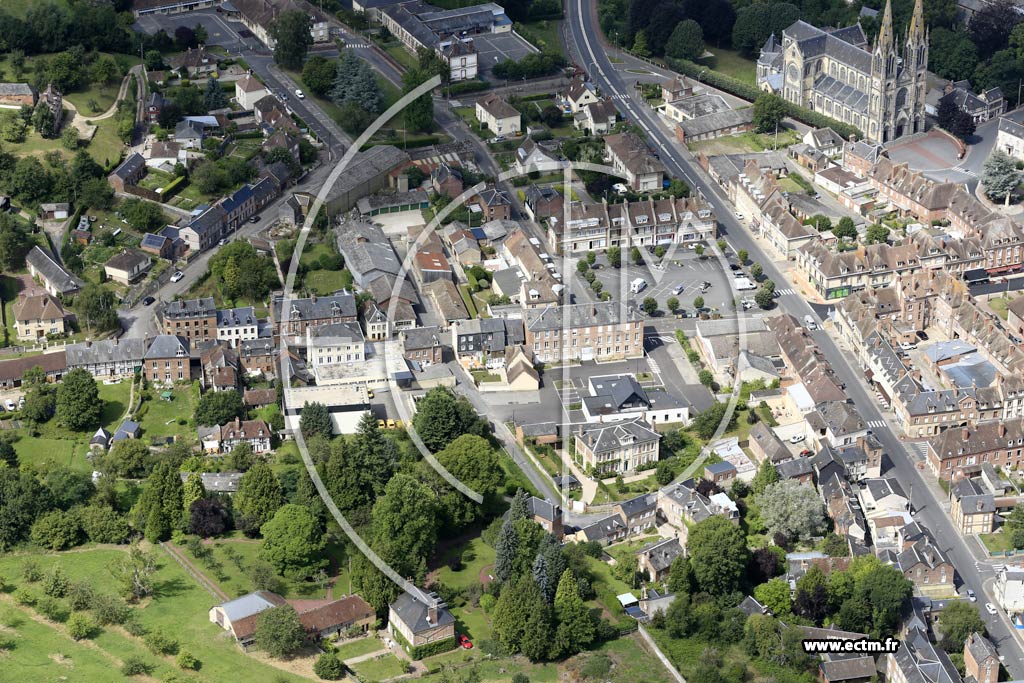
(174, 187)
(473, 85)
(423, 651)
(751, 93)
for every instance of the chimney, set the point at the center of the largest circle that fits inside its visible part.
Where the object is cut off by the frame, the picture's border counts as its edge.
(432, 613)
(1002, 429)
(88, 342)
(980, 505)
(965, 433)
(313, 298)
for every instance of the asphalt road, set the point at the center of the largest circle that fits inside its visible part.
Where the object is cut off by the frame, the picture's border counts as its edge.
(584, 32)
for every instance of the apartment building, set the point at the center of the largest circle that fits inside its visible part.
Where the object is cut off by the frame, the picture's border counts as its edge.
(617, 448)
(644, 223)
(956, 453)
(630, 156)
(194, 319)
(601, 331)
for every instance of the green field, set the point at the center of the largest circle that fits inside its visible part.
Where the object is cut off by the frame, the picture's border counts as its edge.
(179, 607)
(379, 669)
(544, 34)
(160, 418)
(360, 646)
(731, 63)
(19, 8)
(324, 282)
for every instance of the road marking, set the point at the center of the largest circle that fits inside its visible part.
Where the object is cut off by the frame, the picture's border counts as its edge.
(787, 291)
(965, 171)
(918, 447)
(877, 424)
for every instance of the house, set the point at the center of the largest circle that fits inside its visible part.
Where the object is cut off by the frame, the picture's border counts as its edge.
(320, 619)
(108, 358)
(846, 668)
(764, 444)
(1010, 138)
(493, 203)
(54, 278)
(335, 343)
(630, 156)
(605, 531)
(128, 173)
(415, 621)
(601, 331)
(446, 179)
(100, 440)
(711, 126)
(680, 505)
(518, 371)
(368, 172)
(53, 366)
(54, 101)
(428, 266)
(543, 202)
(167, 360)
(257, 398)
(55, 211)
(548, 515)
(959, 451)
(497, 115)
(981, 660)
(882, 495)
(1009, 589)
(223, 438)
(128, 266)
(447, 301)
(128, 429)
(311, 312)
(189, 134)
(580, 93)
(195, 61)
(239, 615)
(721, 474)
(249, 90)
(422, 345)
(617, 448)
(217, 482)
(17, 95)
(799, 468)
(368, 252)
(918, 661)
(532, 157)
(824, 140)
(155, 103)
(219, 367)
(194, 319)
(981, 106)
(928, 568)
(596, 118)
(481, 342)
(38, 316)
(461, 56)
(235, 325)
(836, 422)
(657, 559)
(972, 508)
(165, 156)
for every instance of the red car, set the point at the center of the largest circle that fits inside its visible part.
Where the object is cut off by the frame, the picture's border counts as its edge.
(806, 453)
(464, 642)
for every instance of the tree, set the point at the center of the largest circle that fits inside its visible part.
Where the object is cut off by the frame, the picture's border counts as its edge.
(208, 517)
(517, 602)
(69, 138)
(127, 458)
(672, 304)
(756, 271)
(40, 404)
(686, 41)
(279, 632)
(756, 22)
(97, 307)
(96, 193)
(718, 555)
(43, 121)
(698, 302)
(293, 36)
(952, 55)
(78, 401)
(991, 25)
(219, 408)
(788, 507)
(160, 506)
(636, 256)
(143, 216)
(963, 125)
(259, 495)
(698, 249)
(133, 571)
(315, 419)
(240, 458)
(649, 305)
(845, 229)
(419, 114)
(329, 667)
(191, 491)
(7, 455)
(57, 530)
(214, 96)
(877, 234)
(318, 74)
(471, 460)
(441, 417)
(614, 256)
(104, 525)
(12, 127)
(1000, 176)
(576, 628)
(680, 575)
(354, 84)
(775, 596)
(765, 296)
(506, 549)
(405, 523)
(769, 110)
(765, 477)
(706, 377)
(582, 267)
(640, 45)
(293, 542)
(958, 621)
(706, 423)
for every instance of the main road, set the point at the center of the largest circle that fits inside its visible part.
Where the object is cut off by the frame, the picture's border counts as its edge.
(584, 39)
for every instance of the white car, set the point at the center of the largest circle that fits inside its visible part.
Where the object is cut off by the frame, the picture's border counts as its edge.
(178, 275)
(620, 188)
(971, 596)
(739, 216)
(797, 438)
(298, 93)
(10, 405)
(907, 346)
(990, 608)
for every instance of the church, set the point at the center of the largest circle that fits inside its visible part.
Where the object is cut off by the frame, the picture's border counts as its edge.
(880, 90)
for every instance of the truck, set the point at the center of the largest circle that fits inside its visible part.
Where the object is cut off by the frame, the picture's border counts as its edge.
(744, 284)
(638, 285)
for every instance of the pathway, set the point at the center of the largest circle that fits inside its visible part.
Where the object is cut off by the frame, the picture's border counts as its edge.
(194, 571)
(369, 655)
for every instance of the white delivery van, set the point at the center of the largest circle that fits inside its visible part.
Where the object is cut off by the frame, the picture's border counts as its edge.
(638, 285)
(743, 284)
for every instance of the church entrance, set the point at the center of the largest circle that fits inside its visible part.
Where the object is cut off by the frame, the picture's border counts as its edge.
(899, 130)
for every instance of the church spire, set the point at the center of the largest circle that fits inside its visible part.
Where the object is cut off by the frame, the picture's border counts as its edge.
(917, 27)
(885, 36)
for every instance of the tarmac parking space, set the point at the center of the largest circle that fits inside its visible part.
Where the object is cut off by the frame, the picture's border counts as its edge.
(492, 48)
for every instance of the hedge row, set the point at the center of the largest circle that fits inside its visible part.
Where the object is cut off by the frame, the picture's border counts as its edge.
(473, 85)
(423, 651)
(751, 93)
(174, 187)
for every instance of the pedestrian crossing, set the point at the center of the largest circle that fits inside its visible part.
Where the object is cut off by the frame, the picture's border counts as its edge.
(965, 171)
(918, 448)
(786, 291)
(620, 97)
(654, 366)
(877, 424)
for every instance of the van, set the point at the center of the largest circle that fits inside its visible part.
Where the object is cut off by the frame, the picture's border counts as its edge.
(744, 284)
(638, 285)
(809, 323)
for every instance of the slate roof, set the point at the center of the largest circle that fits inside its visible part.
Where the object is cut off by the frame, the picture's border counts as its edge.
(366, 249)
(605, 438)
(797, 467)
(105, 351)
(341, 304)
(497, 107)
(845, 669)
(130, 166)
(660, 555)
(422, 338)
(981, 648)
(168, 346)
(723, 120)
(579, 315)
(603, 528)
(38, 307)
(538, 507)
(190, 308)
(413, 613)
(973, 499)
(15, 89)
(769, 442)
(127, 260)
(62, 280)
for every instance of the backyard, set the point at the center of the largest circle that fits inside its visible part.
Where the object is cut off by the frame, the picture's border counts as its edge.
(731, 63)
(161, 418)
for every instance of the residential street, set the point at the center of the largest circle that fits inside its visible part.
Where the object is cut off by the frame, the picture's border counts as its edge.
(584, 32)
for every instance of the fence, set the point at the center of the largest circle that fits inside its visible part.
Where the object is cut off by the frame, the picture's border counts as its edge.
(148, 287)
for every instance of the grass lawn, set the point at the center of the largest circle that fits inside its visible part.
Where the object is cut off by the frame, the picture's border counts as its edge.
(999, 304)
(179, 607)
(103, 95)
(155, 180)
(361, 646)
(324, 282)
(746, 142)
(476, 555)
(731, 63)
(402, 56)
(157, 413)
(607, 587)
(544, 34)
(997, 542)
(379, 669)
(19, 8)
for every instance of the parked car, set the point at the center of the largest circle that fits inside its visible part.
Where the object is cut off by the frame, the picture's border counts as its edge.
(739, 215)
(496, 139)
(990, 608)
(678, 289)
(971, 596)
(464, 641)
(254, 219)
(178, 275)
(907, 346)
(620, 188)
(9, 404)
(922, 335)
(797, 438)
(222, 243)
(148, 301)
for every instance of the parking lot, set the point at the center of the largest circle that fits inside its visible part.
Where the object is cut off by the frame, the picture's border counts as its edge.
(232, 36)
(492, 48)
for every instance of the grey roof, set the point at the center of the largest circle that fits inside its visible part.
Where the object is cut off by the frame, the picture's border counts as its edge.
(168, 346)
(944, 350)
(921, 662)
(365, 166)
(880, 487)
(618, 389)
(15, 89)
(847, 668)
(250, 604)
(603, 528)
(343, 331)
(661, 554)
(217, 482)
(366, 249)
(723, 467)
(186, 130)
(127, 430)
(748, 360)
(840, 417)
(604, 438)
(105, 351)
(538, 507)
(1011, 127)
(190, 308)
(508, 280)
(413, 613)
(639, 505)
(422, 338)
(974, 500)
(846, 45)
(130, 166)
(578, 315)
(792, 469)
(750, 606)
(245, 315)
(723, 120)
(52, 272)
(127, 259)
(341, 304)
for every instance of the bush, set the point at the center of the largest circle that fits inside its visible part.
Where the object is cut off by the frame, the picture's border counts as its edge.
(329, 667)
(186, 660)
(109, 609)
(487, 602)
(135, 666)
(24, 596)
(31, 571)
(53, 609)
(596, 666)
(79, 595)
(159, 643)
(133, 626)
(81, 625)
(56, 582)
